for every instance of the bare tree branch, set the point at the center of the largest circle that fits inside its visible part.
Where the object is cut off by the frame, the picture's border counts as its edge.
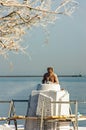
(16, 16)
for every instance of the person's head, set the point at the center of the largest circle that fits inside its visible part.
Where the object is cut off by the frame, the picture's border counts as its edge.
(50, 69)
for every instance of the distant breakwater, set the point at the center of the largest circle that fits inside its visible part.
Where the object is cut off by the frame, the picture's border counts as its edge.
(4, 76)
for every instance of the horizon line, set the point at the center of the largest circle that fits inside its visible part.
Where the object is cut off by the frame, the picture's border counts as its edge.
(67, 75)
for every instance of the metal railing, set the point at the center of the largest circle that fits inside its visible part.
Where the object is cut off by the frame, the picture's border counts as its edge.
(12, 111)
(75, 102)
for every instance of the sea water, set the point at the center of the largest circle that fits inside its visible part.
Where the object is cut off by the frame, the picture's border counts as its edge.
(19, 88)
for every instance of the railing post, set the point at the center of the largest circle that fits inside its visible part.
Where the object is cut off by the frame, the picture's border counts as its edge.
(41, 124)
(76, 115)
(12, 111)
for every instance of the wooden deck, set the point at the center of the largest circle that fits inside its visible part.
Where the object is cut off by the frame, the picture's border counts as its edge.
(69, 118)
(66, 118)
(58, 118)
(49, 118)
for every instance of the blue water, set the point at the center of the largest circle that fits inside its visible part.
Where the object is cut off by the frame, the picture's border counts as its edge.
(21, 87)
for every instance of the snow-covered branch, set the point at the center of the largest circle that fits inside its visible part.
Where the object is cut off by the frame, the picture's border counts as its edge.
(17, 15)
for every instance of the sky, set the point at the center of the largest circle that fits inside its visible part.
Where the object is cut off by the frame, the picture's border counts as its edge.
(65, 50)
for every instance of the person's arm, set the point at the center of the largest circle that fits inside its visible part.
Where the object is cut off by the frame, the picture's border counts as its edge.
(44, 79)
(56, 79)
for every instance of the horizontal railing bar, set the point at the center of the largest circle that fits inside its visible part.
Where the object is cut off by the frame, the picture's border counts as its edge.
(5, 101)
(64, 102)
(20, 100)
(68, 102)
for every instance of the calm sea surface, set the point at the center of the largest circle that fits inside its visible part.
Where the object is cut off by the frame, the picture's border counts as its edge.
(21, 87)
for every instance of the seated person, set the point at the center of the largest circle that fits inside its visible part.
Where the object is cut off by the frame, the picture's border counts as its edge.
(50, 76)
